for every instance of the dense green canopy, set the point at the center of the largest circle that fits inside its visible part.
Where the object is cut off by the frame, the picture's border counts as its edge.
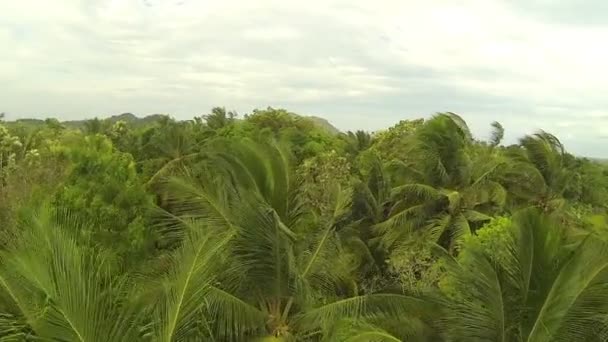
(276, 227)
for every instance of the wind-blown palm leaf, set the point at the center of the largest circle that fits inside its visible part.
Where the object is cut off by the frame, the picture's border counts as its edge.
(265, 169)
(439, 149)
(277, 267)
(524, 181)
(405, 171)
(540, 287)
(487, 192)
(372, 194)
(192, 269)
(342, 203)
(362, 307)
(232, 318)
(470, 320)
(544, 156)
(459, 228)
(372, 335)
(475, 216)
(263, 250)
(498, 133)
(357, 331)
(400, 226)
(209, 200)
(565, 313)
(462, 125)
(168, 166)
(66, 292)
(324, 266)
(419, 192)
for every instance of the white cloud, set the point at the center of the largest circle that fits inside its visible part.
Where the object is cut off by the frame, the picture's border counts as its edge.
(271, 33)
(360, 64)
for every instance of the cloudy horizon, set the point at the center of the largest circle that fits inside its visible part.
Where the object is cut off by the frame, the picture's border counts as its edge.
(530, 65)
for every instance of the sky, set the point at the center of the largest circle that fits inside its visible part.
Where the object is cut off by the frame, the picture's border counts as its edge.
(529, 64)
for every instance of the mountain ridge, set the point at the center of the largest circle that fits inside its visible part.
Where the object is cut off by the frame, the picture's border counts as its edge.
(144, 120)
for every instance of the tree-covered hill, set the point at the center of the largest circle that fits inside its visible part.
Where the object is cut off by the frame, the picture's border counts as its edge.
(126, 117)
(136, 121)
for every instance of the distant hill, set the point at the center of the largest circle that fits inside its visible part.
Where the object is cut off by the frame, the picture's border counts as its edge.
(322, 123)
(126, 117)
(33, 122)
(142, 121)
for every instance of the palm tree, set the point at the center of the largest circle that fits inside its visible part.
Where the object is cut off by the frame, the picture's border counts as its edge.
(178, 298)
(54, 289)
(448, 186)
(95, 126)
(498, 133)
(357, 142)
(219, 118)
(287, 274)
(536, 173)
(168, 146)
(529, 281)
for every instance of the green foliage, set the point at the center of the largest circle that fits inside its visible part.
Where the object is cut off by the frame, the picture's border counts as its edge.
(498, 132)
(10, 145)
(542, 289)
(56, 289)
(320, 174)
(394, 143)
(277, 227)
(306, 136)
(219, 118)
(356, 142)
(447, 189)
(102, 187)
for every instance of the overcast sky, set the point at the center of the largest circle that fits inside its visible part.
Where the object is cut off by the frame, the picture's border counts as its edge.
(529, 64)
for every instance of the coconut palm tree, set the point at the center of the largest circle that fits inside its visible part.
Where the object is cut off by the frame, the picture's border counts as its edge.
(448, 186)
(529, 282)
(536, 173)
(288, 275)
(54, 287)
(167, 146)
(498, 133)
(356, 142)
(219, 118)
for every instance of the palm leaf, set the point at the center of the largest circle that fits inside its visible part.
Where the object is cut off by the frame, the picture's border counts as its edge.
(65, 290)
(232, 318)
(361, 307)
(539, 287)
(193, 268)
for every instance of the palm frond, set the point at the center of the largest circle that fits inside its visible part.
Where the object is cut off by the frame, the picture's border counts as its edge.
(361, 308)
(498, 133)
(66, 291)
(263, 249)
(468, 319)
(459, 228)
(475, 216)
(401, 225)
(538, 287)
(419, 192)
(193, 268)
(209, 200)
(356, 331)
(575, 304)
(461, 124)
(232, 318)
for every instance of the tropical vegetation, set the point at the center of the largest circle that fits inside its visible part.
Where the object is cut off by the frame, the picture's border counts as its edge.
(278, 227)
